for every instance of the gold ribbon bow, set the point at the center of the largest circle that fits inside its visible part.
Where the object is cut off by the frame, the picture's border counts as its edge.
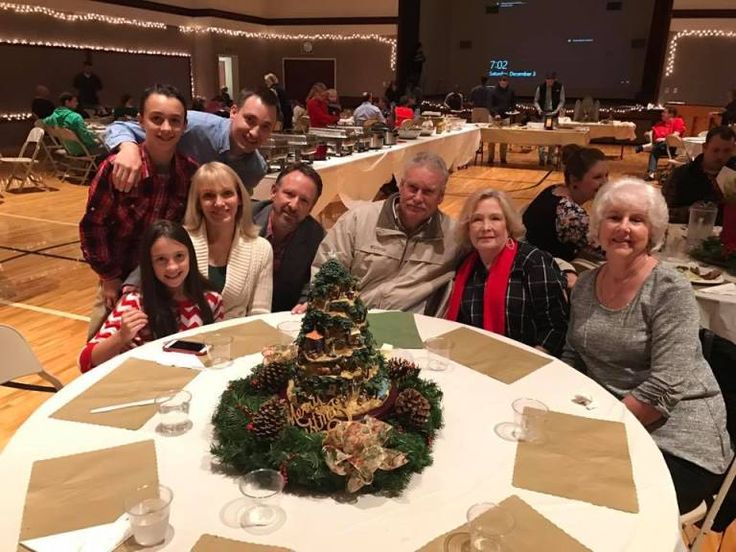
(355, 449)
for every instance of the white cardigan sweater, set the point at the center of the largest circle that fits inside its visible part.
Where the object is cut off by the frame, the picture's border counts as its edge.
(249, 276)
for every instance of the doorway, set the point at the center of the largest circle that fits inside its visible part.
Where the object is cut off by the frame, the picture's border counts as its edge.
(227, 74)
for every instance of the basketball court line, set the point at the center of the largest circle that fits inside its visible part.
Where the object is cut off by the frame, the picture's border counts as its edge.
(44, 310)
(36, 219)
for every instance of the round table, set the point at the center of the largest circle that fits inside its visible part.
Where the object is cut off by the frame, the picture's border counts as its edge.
(471, 464)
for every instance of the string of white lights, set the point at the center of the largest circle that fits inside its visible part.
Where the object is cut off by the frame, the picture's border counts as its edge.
(15, 116)
(95, 47)
(669, 66)
(391, 42)
(25, 9)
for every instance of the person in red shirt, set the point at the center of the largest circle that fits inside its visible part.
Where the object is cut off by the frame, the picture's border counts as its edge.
(669, 124)
(317, 107)
(173, 297)
(403, 111)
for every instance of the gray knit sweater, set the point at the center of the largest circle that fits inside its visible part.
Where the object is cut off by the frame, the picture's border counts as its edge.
(651, 349)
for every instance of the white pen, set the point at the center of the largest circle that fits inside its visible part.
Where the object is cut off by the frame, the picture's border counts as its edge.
(121, 406)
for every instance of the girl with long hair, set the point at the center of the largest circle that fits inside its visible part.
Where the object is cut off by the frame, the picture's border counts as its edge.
(173, 297)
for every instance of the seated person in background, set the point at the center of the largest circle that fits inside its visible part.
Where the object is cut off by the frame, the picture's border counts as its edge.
(728, 117)
(333, 102)
(367, 110)
(298, 110)
(41, 106)
(401, 250)
(173, 297)
(66, 116)
(454, 100)
(555, 220)
(234, 141)
(111, 228)
(504, 285)
(126, 111)
(696, 181)
(634, 330)
(229, 252)
(669, 124)
(294, 234)
(403, 111)
(317, 107)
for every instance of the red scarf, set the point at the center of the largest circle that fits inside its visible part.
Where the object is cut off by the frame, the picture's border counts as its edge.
(494, 294)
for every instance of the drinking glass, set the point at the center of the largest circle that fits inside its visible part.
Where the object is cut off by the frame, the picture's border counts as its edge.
(488, 525)
(528, 424)
(439, 349)
(148, 508)
(700, 225)
(173, 412)
(263, 487)
(289, 331)
(219, 349)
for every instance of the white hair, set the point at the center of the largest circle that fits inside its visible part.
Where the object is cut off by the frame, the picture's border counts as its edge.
(430, 161)
(623, 191)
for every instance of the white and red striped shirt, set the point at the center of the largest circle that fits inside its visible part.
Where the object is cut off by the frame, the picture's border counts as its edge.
(187, 314)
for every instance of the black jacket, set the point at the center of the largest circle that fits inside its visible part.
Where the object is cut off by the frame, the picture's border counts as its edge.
(503, 100)
(295, 270)
(688, 184)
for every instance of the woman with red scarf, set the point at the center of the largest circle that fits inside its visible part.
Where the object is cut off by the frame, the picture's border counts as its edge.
(504, 285)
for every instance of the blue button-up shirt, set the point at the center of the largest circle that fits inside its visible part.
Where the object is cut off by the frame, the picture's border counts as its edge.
(206, 138)
(366, 111)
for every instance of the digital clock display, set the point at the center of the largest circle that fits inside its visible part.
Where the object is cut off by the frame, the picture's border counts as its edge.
(502, 67)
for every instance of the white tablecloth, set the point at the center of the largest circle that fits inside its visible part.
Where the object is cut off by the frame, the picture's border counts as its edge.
(717, 310)
(618, 130)
(694, 145)
(535, 137)
(359, 176)
(471, 464)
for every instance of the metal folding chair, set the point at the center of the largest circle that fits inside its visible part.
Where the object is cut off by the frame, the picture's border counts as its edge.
(21, 167)
(78, 167)
(19, 361)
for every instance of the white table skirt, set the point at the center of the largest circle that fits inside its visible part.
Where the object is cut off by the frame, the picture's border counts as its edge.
(694, 145)
(359, 176)
(618, 130)
(535, 137)
(471, 464)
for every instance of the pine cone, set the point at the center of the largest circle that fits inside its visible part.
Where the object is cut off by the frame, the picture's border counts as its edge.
(413, 407)
(272, 377)
(400, 368)
(270, 419)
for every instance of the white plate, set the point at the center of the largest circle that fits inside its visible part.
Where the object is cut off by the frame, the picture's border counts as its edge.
(684, 269)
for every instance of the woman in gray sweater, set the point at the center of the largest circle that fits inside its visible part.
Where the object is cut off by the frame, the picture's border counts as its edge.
(634, 329)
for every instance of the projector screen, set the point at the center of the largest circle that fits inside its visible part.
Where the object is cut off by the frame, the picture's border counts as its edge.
(596, 47)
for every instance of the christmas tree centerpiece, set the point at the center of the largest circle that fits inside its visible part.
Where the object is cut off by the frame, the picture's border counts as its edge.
(329, 411)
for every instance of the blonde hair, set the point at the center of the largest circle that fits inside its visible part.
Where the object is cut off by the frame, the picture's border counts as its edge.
(514, 225)
(270, 79)
(622, 191)
(317, 88)
(218, 172)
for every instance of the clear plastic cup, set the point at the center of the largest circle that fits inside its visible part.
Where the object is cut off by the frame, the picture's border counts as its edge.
(700, 225)
(289, 331)
(219, 350)
(488, 523)
(528, 419)
(148, 508)
(173, 412)
(439, 349)
(263, 487)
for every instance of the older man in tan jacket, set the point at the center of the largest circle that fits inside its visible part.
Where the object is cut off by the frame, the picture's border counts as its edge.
(401, 250)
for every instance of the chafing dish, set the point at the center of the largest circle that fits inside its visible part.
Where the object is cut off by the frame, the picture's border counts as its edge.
(340, 140)
(302, 147)
(276, 153)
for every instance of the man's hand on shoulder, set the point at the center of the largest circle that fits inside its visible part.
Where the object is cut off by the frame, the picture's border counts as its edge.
(126, 168)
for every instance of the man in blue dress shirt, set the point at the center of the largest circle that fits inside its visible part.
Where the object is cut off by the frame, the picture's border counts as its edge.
(234, 141)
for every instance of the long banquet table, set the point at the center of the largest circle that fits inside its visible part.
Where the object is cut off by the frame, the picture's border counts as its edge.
(534, 136)
(471, 464)
(359, 176)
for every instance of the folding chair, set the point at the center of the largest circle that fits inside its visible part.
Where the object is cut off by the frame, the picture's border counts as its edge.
(480, 115)
(681, 156)
(53, 150)
(19, 361)
(22, 166)
(78, 167)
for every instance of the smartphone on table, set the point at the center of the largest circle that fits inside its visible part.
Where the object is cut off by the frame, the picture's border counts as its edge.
(184, 346)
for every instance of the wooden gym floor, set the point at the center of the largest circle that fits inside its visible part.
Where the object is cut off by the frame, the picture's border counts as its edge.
(46, 288)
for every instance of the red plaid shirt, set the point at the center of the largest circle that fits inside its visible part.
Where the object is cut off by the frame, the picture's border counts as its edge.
(113, 224)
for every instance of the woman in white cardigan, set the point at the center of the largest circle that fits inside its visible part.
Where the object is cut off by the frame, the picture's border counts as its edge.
(237, 262)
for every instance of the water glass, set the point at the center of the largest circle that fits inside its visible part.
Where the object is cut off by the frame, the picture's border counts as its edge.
(148, 508)
(289, 331)
(488, 525)
(700, 225)
(219, 349)
(528, 419)
(439, 349)
(263, 487)
(173, 412)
